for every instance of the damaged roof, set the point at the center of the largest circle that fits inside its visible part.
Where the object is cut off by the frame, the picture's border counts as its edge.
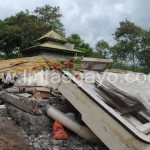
(27, 63)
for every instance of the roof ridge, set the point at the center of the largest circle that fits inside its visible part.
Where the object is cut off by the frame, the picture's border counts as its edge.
(54, 35)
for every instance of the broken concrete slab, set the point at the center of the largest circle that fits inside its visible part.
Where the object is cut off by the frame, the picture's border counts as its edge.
(30, 90)
(25, 104)
(26, 95)
(3, 111)
(103, 120)
(32, 124)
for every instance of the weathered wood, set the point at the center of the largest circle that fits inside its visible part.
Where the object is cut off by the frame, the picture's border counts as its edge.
(144, 116)
(144, 128)
(107, 124)
(132, 120)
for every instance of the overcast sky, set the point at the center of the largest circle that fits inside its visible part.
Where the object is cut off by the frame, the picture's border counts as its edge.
(93, 20)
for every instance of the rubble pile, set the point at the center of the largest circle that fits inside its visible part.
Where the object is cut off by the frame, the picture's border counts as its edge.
(3, 111)
(77, 109)
(27, 106)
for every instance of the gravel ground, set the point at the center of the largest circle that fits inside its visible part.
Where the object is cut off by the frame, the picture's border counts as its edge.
(10, 136)
(13, 137)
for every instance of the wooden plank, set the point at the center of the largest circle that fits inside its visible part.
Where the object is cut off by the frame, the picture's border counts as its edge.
(144, 116)
(145, 128)
(132, 120)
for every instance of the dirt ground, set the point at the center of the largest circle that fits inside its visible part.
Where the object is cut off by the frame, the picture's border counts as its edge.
(9, 136)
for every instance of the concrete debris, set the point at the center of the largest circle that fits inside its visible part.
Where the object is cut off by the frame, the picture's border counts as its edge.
(36, 79)
(92, 113)
(27, 108)
(42, 92)
(3, 111)
(29, 90)
(28, 105)
(7, 78)
(32, 124)
(106, 120)
(1, 101)
(38, 130)
(26, 95)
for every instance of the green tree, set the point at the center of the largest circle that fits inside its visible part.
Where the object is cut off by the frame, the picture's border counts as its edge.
(103, 48)
(144, 54)
(96, 54)
(80, 44)
(75, 39)
(51, 16)
(24, 28)
(5, 31)
(86, 49)
(128, 37)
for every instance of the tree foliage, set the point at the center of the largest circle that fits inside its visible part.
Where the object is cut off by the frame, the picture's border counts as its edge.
(132, 46)
(144, 54)
(80, 44)
(24, 28)
(103, 48)
(75, 39)
(128, 37)
(51, 16)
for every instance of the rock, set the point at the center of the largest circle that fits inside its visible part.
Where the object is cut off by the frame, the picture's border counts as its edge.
(29, 138)
(32, 124)
(57, 142)
(35, 140)
(1, 101)
(43, 133)
(80, 148)
(38, 112)
(3, 111)
(36, 145)
(32, 136)
(63, 148)
(45, 145)
(30, 143)
(56, 148)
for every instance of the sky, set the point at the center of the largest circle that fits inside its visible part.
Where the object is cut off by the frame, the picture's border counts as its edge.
(93, 20)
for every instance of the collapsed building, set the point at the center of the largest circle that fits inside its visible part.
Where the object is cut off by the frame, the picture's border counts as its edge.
(106, 111)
